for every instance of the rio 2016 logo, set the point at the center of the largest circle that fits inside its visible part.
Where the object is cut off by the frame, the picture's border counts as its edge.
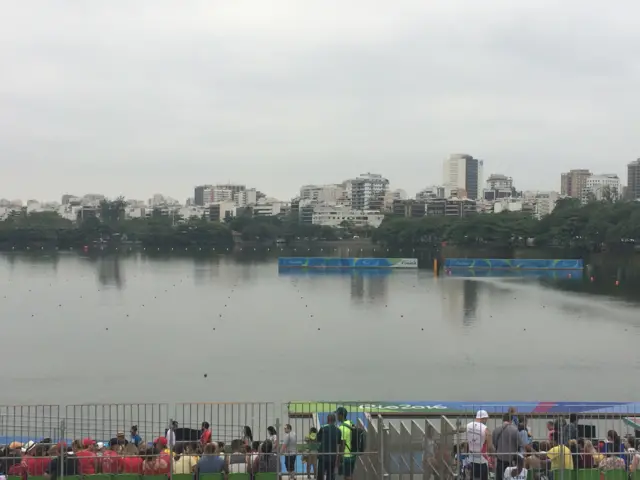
(406, 406)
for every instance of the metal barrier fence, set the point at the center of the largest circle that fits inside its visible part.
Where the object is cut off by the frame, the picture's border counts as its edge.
(399, 441)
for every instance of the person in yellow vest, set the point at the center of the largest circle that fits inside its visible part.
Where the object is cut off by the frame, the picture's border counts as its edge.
(348, 462)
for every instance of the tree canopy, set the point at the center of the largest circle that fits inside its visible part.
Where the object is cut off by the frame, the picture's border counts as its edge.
(570, 224)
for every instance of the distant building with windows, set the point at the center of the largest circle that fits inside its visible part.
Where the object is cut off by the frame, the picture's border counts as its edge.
(633, 180)
(463, 176)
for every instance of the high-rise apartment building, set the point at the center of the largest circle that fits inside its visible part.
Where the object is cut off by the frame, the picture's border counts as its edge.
(367, 192)
(203, 195)
(602, 187)
(463, 176)
(573, 182)
(329, 194)
(633, 180)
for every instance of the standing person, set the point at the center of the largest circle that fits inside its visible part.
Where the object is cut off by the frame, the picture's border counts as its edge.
(330, 445)
(508, 444)
(290, 450)
(348, 463)
(570, 430)
(247, 435)
(273, 436)
(312, 455)
(268, 460)
(479, 436)
(171, 434)
(135, 438)
(205, 433)
(523, 431)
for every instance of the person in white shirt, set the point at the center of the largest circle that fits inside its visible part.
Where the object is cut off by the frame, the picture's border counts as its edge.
(290, 449)
(171, 434)
(477, 436)
(518, 472)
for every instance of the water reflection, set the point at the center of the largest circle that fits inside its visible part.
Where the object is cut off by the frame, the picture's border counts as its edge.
(549, 274)
(371, 284)
(110, 271)
(469, 301)
(460, 300)
(205, 269)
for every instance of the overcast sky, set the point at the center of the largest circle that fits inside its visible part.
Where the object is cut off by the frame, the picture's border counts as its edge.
(138, 97)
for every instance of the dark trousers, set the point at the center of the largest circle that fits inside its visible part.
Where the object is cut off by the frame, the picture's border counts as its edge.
(479, 471)
(501, 466)
(326, 466)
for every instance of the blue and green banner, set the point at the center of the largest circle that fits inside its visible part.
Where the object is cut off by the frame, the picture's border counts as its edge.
(336, 262)
(514, 263)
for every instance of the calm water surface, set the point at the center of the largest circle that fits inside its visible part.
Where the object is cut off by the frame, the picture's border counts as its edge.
(141, 329)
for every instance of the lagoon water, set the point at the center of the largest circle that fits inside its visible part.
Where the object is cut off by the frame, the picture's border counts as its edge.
(81, 329)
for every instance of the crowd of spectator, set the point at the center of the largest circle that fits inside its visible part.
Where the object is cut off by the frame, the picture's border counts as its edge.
(511, 452)
(163, 456)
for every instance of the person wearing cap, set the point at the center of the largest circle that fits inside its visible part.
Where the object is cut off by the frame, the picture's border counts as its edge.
(121, 439)
(87, 458)
(160, 444)
(34, 463)
(479, 440)
(348, 459)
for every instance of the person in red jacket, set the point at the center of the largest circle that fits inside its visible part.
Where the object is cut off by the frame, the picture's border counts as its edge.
(205, 437)
(154, 463)
(111, 460)
(132, 461)
(87, 458)
(35, 462)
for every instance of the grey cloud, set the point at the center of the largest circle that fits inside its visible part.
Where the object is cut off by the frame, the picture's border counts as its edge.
(139, 97)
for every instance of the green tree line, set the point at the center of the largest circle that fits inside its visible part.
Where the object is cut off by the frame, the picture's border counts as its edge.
(39, 229)
(592, 226)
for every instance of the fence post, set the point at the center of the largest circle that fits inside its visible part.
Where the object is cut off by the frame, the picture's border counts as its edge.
(277, 449)
(382, 453)
(171, 435)
(62, 451)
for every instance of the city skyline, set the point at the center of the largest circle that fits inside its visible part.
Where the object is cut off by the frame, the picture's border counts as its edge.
(139, 98)
(483, 178)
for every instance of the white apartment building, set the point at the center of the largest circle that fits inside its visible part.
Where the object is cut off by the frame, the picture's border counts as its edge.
(329, 194)
(391, 196)
(334, 216)
(268, 207)
(246, 197)
(545, 202)
(602, 186)
(507, 205)
(367, 191)
(462, 176)
(497, 181)
(434, 191)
